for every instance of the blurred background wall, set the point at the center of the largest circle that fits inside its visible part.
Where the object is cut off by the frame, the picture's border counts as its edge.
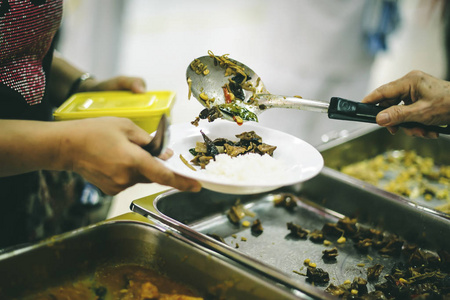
(312, 48)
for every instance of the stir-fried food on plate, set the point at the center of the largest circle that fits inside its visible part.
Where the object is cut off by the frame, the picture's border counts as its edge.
(249, 142)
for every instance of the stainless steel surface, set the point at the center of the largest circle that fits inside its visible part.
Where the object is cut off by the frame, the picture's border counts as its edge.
(70, 256)
(278, 101)
(367, 143)
(212, 84)
(324, 198)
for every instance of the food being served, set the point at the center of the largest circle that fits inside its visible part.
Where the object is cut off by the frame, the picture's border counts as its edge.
(234, 90)
(121, 282)
(199, 67)
(250, 168)
(407, 174)
(210, 114)
(249, 142)
(247, 160)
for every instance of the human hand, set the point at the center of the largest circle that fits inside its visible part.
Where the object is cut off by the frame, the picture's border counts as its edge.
(107, 152)
(427, 100)
(119, 83)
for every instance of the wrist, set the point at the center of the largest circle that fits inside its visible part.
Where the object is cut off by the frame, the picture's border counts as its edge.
(66, 149)
(81, 84)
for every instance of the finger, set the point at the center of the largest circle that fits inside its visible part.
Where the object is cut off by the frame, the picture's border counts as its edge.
(137, 135)
(397, 114)
(156, 172)
(168, 153)
(431, 135)
(138, 86)
(133, 84)
(416, 132)
(392, 129)
(419, 111)
(393, 91)
(422, 133)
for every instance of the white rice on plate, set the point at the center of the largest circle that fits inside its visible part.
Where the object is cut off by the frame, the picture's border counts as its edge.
(250, 168)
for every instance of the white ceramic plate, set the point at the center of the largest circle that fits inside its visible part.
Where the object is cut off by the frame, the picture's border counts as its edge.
(302, 160)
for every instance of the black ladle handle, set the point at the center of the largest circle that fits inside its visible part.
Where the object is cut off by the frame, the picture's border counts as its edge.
(343, 109)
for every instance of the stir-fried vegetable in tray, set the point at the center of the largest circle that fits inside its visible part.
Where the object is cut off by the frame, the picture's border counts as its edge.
(417, 274)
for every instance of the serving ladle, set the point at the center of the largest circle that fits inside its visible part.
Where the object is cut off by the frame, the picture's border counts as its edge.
(208, 78)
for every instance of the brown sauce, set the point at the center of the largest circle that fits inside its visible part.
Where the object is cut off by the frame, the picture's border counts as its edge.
(120, 282)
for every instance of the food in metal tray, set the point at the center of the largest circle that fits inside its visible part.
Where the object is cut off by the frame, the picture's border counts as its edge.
(330, 254)
(256, 227)
(317, 236)
(121, 282)
(421, 274)
(297, 231)
(317, 275)
(286, 201)
(407, 174)
(374, 272)
(237, 212)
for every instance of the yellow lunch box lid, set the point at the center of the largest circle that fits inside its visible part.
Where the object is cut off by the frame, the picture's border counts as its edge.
(115, 103)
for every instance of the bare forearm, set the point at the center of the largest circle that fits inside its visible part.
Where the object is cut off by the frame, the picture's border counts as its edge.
(62, 76)
(106, 151)
(28, 146)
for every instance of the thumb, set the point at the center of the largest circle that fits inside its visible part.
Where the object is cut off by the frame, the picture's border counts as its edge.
(139, 136)
(394, 115)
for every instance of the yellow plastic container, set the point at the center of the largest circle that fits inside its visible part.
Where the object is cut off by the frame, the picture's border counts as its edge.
(145, 110)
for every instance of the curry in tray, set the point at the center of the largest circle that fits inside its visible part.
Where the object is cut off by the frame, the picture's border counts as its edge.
(120, 282)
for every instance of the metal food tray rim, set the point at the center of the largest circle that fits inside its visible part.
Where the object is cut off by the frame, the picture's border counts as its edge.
(290, 293)
(257, 265)
(394, 197)
(354, 134)
(249, 262)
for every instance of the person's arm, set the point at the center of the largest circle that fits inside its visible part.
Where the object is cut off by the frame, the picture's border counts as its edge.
(105, 151)
(426, 99)
(63, 75)
(27, 146)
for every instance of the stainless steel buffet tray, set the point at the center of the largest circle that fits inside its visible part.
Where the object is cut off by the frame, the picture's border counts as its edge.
(368, 142)
(325, 198)
(71, 256)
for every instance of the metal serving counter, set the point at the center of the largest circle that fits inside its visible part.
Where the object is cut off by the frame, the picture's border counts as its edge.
(279, 256)
(78, 254)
